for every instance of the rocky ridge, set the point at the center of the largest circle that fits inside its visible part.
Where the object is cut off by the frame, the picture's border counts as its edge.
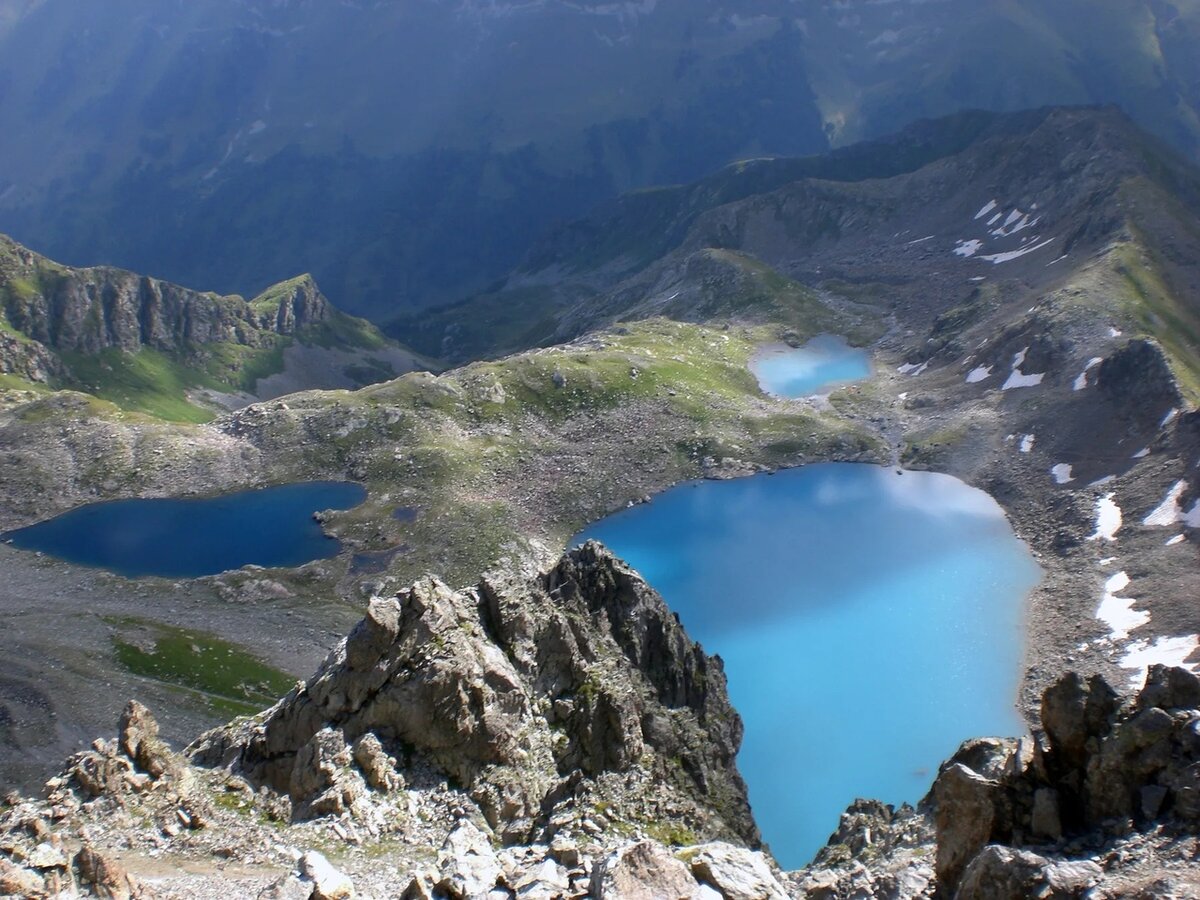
(156, 347)
(540, 695)
(450, 747)
(89, 310)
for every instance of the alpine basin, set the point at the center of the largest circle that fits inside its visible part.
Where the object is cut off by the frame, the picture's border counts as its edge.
(869, 621)
(272, 527)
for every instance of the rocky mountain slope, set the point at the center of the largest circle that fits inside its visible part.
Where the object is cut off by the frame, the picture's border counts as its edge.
(153, 346)
(921, 223)
(553, 733)
(1063, 387)
(410, 152)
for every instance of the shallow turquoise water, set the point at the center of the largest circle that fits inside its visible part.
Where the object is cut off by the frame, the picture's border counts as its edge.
(824, 362)
(869, 623)
(188, 538)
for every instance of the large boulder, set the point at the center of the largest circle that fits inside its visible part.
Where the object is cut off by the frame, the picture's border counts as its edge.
(643, 871)
(468, 864)
(1002, 873)
(735, 872)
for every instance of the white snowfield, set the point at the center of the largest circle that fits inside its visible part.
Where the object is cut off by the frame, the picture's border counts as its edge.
(987, 208)
(1062, 473)
(1164, 651)
(979, 374)
(1117, 612)
(1171, 512)
(1015, 220)
(1108, 519)
(997, 258)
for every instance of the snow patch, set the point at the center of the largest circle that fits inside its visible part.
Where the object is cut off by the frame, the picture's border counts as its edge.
(1178, 539)
(1168, 512)
(1018, 380)
(1141, 454)
(1169, 418)
(1165, 651)
(1027, 442)
(1117, 612)
(913, 368)
(1082, 381)
(997, 258)
(1062, 473)
(968, 248)
(1108, 519)
(979, 374)
(987, 208)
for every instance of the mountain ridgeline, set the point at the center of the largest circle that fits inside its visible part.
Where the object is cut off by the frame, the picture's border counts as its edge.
(410, 153)
(896, 222)
(160, 348)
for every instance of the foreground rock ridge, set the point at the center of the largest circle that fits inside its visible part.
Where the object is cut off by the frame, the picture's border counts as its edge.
(553, 732)
(543, 697)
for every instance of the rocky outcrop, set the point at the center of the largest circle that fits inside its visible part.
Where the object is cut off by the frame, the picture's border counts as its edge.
(545, 696)
(88, 310)
(1098, 769)
(1139, 381)
(26, 359)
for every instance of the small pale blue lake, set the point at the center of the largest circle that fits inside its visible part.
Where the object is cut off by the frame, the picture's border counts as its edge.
(188, 538)
(822, 364)
(869, 622)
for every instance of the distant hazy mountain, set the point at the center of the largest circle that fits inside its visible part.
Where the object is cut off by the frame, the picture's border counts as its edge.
(410, 151)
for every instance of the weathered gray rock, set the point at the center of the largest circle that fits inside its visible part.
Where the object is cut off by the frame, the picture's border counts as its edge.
(525, 691)
(377, 767)
(322, 781)
(18, 881)
(288, 887)
(1045, 822)
(737, 873)
(645, 871)
(967, 817)
(468, 863)
(138, 739)
(107, 878)
(326, 881)
(1002, 873)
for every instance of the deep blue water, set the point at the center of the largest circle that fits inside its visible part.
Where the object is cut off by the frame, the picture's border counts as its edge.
(824, 362)
(869, 623)
(188, 538)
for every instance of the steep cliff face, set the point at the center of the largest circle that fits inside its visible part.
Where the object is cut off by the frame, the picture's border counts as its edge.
(158, 348)
(89, 310)
(543, 696)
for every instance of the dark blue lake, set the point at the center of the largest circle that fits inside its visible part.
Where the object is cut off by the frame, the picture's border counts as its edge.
(822, 364)
(869, 622)
(271, 527)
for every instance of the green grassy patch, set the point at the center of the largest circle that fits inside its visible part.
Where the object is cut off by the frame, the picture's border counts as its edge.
(231, 680)
(1160, 314)
(146, 381)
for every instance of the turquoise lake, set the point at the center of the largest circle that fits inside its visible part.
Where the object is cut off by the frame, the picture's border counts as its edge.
(869, 622)
(188, 538)
(823, 363)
